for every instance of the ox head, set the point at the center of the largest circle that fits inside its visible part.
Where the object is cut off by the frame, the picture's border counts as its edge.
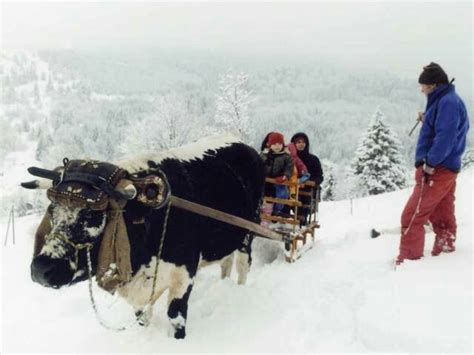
(76, 219)
(61, 244)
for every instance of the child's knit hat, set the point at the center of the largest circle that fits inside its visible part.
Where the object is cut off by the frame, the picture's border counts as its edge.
(275, 137)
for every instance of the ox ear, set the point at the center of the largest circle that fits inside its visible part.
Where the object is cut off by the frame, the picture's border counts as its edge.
(126, 189)
(37, 184)
(34, 184)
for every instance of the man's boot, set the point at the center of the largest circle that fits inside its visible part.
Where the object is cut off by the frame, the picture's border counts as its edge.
(444, 242)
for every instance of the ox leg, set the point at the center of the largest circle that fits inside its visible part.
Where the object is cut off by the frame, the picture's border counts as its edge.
(243, 267)
(244, 259)
(178, 307)
(144, 316)
(226, 266)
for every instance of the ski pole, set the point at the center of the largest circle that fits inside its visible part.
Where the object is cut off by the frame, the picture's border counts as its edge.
(416, 124)
(420, 119)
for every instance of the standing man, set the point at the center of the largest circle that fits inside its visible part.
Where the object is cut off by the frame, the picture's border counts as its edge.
(441, 143)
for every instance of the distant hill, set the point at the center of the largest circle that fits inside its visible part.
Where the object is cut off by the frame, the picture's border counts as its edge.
(330, 102)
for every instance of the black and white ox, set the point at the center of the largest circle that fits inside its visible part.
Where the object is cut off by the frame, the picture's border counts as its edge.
(218, 172)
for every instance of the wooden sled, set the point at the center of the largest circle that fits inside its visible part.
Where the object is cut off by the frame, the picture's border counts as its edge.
(300, 229)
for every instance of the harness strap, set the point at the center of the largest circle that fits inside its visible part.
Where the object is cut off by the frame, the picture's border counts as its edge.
(94, 180)
(114, 265)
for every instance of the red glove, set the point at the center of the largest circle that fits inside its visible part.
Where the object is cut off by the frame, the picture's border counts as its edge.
(281, 179)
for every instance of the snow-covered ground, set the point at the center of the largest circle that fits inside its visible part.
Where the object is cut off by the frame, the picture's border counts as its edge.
(342, 296)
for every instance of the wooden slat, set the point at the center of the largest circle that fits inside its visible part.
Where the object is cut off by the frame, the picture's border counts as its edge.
(292, 203)
(305, 193)
(300, 218)
(279, 219)
(307, 183)
(286, 183)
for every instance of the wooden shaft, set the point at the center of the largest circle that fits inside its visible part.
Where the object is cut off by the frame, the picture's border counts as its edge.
(225, 217)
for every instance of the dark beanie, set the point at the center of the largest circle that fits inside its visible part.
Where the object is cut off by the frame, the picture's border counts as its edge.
(433, 74)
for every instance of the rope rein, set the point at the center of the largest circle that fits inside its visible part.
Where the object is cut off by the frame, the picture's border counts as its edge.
(89, 271)
(158, 257)
(94, 305)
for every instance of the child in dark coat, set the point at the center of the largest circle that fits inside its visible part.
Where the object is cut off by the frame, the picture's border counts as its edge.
(278, 165)
(312, 162)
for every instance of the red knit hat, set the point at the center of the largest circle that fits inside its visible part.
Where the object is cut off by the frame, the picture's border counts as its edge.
(275, 137)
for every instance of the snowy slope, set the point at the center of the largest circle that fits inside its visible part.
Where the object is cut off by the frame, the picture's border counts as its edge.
(342, 296)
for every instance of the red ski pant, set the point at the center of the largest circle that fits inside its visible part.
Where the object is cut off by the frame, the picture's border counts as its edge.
(432, 200)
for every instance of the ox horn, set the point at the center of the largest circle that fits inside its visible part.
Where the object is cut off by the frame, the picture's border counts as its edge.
(126, 189)
(44, 173)
(44, 182)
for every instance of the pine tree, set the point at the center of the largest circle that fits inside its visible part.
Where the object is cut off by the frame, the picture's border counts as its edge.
(378, 163)
(328, 187)
(36, 94)
(50, 85)
(232, 104)
(7, 143)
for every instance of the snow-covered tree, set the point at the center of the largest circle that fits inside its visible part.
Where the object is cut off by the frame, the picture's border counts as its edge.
(44, 142)
(378, 163)
(36, 94)
(80, 129)
(7, 95)
(174, 124)
(232, 104)
(10, 136)
(169, 125)
(50, 85)
(468, 158)
(328, 187)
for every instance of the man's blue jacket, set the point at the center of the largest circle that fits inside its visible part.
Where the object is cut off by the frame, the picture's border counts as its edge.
(442, 138)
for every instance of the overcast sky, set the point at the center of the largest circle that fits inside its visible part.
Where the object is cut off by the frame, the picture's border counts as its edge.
(400, 36)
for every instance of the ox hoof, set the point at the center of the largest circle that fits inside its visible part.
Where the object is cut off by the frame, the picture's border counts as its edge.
(143, 318)
(180, 333)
